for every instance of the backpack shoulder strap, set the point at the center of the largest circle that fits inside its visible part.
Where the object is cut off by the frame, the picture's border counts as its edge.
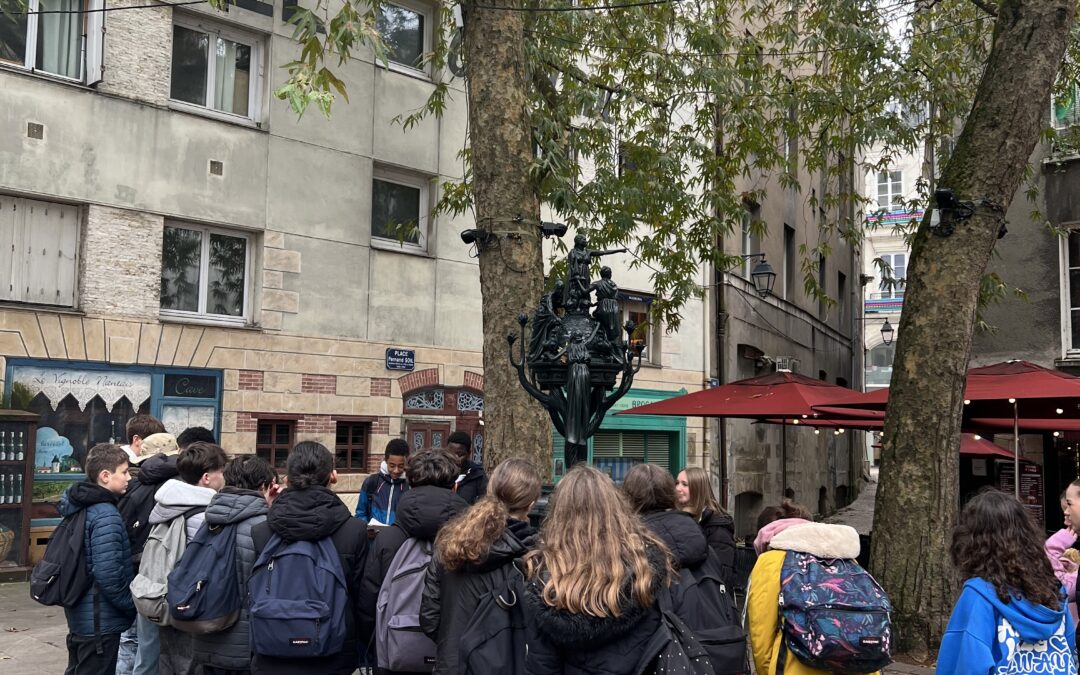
(192, 511)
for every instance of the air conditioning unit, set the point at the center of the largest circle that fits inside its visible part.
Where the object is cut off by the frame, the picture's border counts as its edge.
(787, 363)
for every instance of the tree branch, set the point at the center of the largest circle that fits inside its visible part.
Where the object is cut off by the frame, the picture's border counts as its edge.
(986, 7)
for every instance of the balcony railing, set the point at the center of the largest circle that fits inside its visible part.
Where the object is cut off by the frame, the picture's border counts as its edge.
(893, 218)
(884, 302)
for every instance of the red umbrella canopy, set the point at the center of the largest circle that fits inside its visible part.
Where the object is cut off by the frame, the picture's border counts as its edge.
(780, 394)
(1040, 393)
(974, 446)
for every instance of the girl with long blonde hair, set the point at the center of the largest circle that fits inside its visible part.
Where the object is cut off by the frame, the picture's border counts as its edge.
(694, 495)
(592, 585)
(475, 554)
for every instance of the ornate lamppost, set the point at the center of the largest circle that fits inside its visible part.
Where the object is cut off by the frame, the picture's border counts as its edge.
(574, 357)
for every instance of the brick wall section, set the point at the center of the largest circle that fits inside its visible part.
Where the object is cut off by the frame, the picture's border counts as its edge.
(418, 380)
(315, 424)
(474, 381)
(381, 426)
(121, 261)
(138, 53)
(246, 422)
(251, 380)
(318, 384)
(380, 386)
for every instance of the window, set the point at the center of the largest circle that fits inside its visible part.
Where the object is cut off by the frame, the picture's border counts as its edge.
(49, 234)
(273, 440)
(350, 447)
(749, 239)
(646, 333)
(48, 38)
(894, 287)
(890, 189)
(399, 210)
(404, 27)
(215, 69)
(205, 272)
(879, 366)
(823, 287)
(1066, 108)
(841, 299)
(1071, 291)
(789, 262)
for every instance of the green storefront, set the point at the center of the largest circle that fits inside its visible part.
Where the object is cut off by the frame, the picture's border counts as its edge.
(626, 440)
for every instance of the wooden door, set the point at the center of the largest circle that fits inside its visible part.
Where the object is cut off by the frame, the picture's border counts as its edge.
(427, 435)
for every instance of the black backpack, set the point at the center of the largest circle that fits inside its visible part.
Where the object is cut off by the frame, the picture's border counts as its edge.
(494, 639)
(700, 598)
(62, 577)
(135, 508)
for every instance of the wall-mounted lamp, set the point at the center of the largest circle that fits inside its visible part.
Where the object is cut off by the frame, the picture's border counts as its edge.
(763, 275)
(887, 333)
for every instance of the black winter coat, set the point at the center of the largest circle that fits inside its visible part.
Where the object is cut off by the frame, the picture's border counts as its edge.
(474, 485)
(308, 515)
(451, 598)
(137, 503)
(561, 643)
(719, 529)
(421, 513)
(231, 648)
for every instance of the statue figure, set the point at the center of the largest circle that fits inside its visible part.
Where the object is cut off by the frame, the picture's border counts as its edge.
(577, 275)
(607, 311)
(578, 389)
(547, 324)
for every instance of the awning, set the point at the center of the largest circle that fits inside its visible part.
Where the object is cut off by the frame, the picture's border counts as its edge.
(84, 385)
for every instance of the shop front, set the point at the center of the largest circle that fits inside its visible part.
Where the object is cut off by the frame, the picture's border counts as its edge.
(81, 404)
(625, 440)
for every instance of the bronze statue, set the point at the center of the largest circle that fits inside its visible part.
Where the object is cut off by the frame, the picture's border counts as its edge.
(547, 326)
(607, 305)
(577, 276)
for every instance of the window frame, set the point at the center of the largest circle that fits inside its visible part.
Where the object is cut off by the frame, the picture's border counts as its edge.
(897, 291)
(354, 465)
(255, 41)
(1068, 351)
(424, 218)
(91, 44)
(202, 316)
(895, 199)
(427, 13)
(653, 349)
(274, 446)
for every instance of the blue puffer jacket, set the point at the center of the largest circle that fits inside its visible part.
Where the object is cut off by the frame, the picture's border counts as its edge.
(108, 555)
(379, 497)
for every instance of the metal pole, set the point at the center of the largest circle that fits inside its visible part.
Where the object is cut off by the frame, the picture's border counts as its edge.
(1016, 449)
(783, 460)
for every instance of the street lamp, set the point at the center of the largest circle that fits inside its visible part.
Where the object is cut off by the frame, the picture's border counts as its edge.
(763, 277)
(887, 332)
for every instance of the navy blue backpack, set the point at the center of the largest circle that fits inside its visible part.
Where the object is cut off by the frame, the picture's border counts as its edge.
(204, 593)
(298, 599)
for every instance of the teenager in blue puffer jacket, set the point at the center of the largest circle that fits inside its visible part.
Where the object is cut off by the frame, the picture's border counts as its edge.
(381, 492)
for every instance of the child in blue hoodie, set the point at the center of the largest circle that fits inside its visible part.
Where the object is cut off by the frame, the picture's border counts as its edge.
(1012, 616)
(381, 492)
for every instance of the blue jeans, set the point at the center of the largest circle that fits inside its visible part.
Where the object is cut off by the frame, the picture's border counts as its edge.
(146, 661)
(129, 645)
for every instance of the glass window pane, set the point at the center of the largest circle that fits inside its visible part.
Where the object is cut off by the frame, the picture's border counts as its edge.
(341, 459)
(1075, 316)
(225, 277)
(395, 211)
(181, 254)
(1074, 288)
(232, 76)
(189, 65)
(1074, 248)
(403, 31)
(281, 458)
(265, 434)
(13, 29)
(282, 434)
(59, 39)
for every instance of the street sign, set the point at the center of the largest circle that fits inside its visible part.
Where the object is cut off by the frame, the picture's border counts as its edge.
(400, 359)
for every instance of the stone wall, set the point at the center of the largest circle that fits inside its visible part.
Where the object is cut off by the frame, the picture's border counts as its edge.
(138, 52)
(121, 263)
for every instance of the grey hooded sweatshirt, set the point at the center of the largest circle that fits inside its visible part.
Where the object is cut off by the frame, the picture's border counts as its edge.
(175, 497)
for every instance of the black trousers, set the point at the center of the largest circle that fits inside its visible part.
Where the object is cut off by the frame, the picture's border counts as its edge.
(90, 655)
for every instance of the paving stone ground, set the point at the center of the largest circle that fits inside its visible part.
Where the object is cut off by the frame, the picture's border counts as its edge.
(31, 635)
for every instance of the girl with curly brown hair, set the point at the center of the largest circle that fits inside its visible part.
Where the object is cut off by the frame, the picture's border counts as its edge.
(1011, 616)
(475, 554)
(590, 597)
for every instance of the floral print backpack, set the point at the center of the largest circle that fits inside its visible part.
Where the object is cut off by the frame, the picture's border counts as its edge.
(834, 615)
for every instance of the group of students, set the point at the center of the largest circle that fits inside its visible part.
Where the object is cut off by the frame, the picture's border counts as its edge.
(202, 564)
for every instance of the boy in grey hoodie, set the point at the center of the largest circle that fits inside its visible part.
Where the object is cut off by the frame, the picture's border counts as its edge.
(201, 470)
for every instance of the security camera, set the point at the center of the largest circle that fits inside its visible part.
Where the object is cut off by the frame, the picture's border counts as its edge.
(553, 229)
(474, 235)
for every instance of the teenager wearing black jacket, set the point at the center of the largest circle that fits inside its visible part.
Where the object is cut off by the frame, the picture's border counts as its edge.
(472, 481)
(694, 495)
(475, 554)
(308, 510)
(421, 513)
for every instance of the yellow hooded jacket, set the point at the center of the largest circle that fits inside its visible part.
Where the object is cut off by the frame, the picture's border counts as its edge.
(762, 600)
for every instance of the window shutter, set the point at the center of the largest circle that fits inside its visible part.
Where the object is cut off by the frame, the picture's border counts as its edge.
(10, 223)
(606, 444)
(48, 253)
(633, 445)
(658, 450)
(95, 42)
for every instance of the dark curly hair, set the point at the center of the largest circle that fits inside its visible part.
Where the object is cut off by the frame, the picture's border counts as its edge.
(997, 540)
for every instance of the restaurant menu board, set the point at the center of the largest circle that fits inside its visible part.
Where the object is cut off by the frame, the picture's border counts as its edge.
(1031, 486)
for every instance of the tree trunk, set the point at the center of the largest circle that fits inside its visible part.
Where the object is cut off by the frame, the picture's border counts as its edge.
(511, 265)
(917, 497)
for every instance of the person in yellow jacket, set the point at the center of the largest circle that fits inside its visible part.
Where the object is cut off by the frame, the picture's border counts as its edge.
(762, 601)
